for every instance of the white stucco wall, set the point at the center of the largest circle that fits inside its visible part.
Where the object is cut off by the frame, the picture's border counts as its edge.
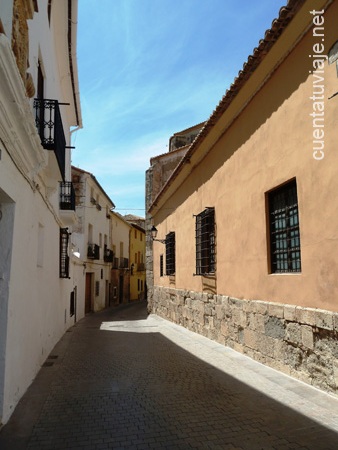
(35, 302)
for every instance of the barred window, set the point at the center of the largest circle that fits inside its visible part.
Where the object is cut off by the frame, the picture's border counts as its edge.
(170, 253)
(205, 242)
(161, 266)
(64, 258)
(284, 229)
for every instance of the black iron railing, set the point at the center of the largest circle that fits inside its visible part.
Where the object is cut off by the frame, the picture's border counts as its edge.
(49, 124)
(67, 196)
(108, 255)
(64, 258)
(124, 263)
(115, 263)
(93, 251)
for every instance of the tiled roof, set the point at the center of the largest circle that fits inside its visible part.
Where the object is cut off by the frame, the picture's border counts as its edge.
(286, 14)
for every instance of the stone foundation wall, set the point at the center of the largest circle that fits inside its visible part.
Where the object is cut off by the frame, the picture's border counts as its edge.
(301, 342)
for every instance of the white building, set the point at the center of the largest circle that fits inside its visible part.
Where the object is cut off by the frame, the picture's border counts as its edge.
(91, 243)
(39, 103)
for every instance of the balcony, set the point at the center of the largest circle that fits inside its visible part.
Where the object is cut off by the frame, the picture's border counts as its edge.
(67, 203)
(108, 255)
(67, 196)
(93, 251)
(115, 263)
(49, 124)
(123, 263)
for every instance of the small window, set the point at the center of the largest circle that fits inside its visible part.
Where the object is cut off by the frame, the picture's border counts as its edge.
(64, 258)
(161, 266)
(170, 253)
(284, 229)
(205, 242)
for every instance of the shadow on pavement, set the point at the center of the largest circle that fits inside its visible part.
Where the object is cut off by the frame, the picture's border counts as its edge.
(134, 390)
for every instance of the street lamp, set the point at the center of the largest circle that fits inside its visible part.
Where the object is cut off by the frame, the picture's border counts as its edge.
(154, 234)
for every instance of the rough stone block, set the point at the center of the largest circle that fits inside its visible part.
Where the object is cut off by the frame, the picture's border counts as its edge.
(280, 351)
(294, 357)
(236, 302)
(251, 338)
(251, 320)
(290, 313)
(276, 310)
(274, 327)
(248, 306)
(239, 317)
(225, 328)
(260, 323)
(205, 297)
(324, 319)
(225, 299)
(335, 321)
(199, 306)
(266, 345)
(261, 307)
(306, 315)
(219, 312)
(208, 309)
(307, 336)
(335, 372)
(293, 333)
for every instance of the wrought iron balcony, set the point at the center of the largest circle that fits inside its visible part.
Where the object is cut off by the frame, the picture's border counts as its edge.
(124, 263)
(108, 255)
(67, 196)
(93, 251)
(49, 124)
(115, 263)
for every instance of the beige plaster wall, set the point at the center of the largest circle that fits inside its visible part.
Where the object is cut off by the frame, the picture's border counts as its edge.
(270, 143)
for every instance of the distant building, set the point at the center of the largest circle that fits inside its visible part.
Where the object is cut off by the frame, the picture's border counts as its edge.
(39, 103)
(248, 215)
(137, 262)
(120, 272)
(92, 242)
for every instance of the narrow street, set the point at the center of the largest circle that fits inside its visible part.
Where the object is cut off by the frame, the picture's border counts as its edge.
(121, 379)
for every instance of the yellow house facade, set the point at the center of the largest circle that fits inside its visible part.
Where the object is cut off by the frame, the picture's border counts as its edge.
(249, 215)
(137, 261)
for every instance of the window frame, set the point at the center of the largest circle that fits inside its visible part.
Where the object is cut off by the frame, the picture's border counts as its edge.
(205, 242)
(284, 238)
(170, 247)
(64, 256)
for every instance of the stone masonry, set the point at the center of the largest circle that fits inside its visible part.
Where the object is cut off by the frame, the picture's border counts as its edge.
(301, 342)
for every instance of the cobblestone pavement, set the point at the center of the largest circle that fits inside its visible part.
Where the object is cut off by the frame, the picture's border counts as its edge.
(121, 380)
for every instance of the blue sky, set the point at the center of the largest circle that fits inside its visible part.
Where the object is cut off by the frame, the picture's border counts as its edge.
(150, 68)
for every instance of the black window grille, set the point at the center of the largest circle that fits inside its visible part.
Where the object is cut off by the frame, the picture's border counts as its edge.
(64, 258)
(72, 304)
(170, 253)
(67, 196)
(93, 251)
(284, 229)
(49, 124)
(205, 242)
(161, 266)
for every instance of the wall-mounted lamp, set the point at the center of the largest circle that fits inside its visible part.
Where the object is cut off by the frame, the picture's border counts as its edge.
(154, 234)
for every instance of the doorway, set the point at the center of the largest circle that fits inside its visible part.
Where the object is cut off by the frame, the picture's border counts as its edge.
(89, 293)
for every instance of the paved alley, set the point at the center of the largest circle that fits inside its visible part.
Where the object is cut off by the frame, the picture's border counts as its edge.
(121, 379)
